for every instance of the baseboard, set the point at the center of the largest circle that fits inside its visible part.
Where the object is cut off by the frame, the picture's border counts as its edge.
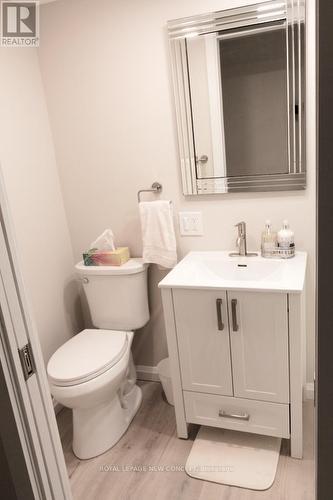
(57, 406)
(147, 373)
(308, 391)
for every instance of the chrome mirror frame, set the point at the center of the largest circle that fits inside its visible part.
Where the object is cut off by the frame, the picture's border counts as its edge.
(293, 13)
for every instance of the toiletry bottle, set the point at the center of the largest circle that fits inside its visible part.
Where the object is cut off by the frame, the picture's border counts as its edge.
(285, 237)
(268, 239)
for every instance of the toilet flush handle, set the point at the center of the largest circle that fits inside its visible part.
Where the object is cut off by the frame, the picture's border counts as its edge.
(85, 281)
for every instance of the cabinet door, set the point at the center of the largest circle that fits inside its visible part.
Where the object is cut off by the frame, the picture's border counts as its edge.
(203, 340)
(259, 345)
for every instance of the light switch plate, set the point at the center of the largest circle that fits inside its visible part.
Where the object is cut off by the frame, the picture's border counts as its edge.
(190, 223)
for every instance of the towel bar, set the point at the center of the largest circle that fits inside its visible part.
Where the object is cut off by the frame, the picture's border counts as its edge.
(156, 187)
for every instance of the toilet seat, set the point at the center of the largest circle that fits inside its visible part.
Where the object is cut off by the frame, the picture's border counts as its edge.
(86, 356)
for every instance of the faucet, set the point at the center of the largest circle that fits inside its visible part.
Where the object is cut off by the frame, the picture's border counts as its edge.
(241, 242)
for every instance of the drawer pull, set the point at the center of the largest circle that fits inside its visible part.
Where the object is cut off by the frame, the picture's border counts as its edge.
(234, 315)
(243, 416)
(220, 324)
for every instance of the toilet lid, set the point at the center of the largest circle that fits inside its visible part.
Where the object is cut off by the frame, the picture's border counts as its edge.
(85, 356)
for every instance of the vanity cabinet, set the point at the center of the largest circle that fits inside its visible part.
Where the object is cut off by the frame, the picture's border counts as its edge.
(233, 343)
(236, 360)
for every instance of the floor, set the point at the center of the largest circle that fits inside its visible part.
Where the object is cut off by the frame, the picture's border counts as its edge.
(151, 441)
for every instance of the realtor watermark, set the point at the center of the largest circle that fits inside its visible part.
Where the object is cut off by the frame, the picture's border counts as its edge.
(19, 24)
(164, 468)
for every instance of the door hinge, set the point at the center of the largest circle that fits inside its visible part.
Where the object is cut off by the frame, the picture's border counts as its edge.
(27, 361)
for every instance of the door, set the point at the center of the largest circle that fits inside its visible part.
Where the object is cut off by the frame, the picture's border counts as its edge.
(259, 345)
(26, 383)
(203, 341)
(206, 102)
(15, 480)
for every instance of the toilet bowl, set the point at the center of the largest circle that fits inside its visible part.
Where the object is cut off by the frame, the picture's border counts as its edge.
(93, 373)
(98, 385)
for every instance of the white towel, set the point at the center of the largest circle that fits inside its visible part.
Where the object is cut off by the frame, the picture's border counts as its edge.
(158, 234)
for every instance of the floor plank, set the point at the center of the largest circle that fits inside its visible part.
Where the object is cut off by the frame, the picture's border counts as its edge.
(148, 462)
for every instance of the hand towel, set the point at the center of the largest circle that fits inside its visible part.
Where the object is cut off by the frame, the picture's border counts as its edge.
(158, 234)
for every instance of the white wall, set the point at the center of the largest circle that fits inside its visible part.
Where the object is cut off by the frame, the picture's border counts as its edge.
(33, 188)
(106, 71)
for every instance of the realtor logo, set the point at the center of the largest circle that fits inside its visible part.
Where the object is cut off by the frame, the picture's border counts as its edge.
(20, 24)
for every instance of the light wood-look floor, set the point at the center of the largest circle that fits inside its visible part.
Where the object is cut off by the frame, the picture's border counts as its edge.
(151, 441)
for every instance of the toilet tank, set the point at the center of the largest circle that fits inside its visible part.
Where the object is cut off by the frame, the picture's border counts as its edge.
(117, 295)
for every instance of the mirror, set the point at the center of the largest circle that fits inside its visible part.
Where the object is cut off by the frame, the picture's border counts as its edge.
(238, 81)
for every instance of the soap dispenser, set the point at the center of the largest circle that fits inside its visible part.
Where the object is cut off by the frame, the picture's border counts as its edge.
(285, 237)
(268, 240)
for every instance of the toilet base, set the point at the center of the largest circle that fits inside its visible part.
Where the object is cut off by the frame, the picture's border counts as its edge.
(96, 430)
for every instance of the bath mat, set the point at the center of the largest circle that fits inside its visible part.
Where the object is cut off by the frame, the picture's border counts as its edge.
(234, 458)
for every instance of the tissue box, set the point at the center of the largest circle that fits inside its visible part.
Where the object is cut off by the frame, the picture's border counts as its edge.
(116, 257)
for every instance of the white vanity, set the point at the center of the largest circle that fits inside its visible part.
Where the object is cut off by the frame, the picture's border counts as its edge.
(236, 338)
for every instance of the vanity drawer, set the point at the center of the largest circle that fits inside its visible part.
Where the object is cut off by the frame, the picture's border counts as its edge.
(259, 417)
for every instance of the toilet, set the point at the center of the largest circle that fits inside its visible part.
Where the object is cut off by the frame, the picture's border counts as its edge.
(93, 373)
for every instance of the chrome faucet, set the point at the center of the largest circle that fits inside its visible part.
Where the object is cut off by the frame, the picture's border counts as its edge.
(241, 242)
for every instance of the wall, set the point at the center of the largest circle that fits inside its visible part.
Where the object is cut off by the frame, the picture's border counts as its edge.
(31, 177)
(109, 95)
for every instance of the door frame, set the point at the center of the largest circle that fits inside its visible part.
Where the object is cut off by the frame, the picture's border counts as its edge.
(324, 320)
(30, 399)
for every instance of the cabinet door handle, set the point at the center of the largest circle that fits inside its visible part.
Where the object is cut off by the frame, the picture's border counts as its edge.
(242, 416)
(220, 324)
(235, 326)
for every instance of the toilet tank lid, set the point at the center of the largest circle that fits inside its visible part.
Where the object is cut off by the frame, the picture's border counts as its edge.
(132, 266)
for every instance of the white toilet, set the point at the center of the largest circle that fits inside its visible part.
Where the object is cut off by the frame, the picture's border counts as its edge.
(93, 373)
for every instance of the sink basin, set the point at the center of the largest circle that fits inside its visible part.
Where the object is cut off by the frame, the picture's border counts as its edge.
(238, 270)
(219, 270)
